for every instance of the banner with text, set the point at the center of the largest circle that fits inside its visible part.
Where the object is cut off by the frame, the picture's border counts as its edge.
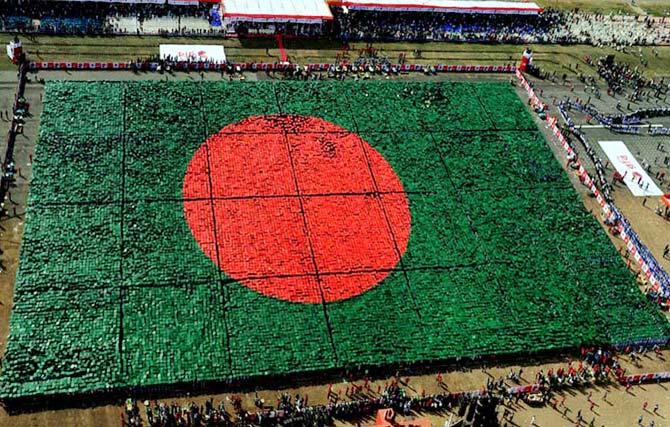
(193, 52)
(636, 178)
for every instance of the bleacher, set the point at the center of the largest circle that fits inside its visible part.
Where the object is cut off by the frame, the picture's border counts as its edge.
(158, 25)
(351, 20)
(69, 25)
(14, 22)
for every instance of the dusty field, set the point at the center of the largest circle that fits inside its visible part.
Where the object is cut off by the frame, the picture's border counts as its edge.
(652, 229)
(550, 57)
(620, 409)
(11, 228)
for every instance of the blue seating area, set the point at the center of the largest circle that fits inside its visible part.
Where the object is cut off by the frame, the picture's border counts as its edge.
(50, 24)
(368, 25)
(70, 25)
(13, 22)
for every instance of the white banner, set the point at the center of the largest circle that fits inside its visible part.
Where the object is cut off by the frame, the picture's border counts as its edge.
(636, 178)
(193, 53)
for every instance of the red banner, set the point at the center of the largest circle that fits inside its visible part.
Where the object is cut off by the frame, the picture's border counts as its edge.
(263, 67)
(644, 378)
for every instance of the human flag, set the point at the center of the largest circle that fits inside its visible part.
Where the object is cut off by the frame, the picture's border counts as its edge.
(211, 231)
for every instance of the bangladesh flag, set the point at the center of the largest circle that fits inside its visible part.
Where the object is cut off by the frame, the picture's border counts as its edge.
(210, 231)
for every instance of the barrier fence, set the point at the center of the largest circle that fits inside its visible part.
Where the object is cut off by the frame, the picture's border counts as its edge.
(524, 389)
(648, 264)
(210, 66)
(629, 123)
(644, 378)
(604, 184)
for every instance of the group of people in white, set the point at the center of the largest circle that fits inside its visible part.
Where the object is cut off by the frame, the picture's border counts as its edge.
(613, 30)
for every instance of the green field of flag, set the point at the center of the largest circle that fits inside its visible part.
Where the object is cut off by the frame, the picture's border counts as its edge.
(113, 290)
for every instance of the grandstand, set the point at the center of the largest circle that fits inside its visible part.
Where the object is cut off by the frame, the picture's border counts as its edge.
(463, 21)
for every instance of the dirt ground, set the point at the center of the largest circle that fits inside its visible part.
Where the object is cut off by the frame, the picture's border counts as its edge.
(11, 227)
(620, 408)
(553, 58)
(651, 228)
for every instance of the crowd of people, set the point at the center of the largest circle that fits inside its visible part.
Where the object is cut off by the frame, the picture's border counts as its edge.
(17, 117)
(289, 410)
(550, 26)
(614, 31)
(596, 366)
(294, 411)
(420, 26)
(620, 76)
(106, 18)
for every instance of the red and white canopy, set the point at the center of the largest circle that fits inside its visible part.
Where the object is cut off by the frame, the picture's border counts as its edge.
(456, 6)
(304, 11)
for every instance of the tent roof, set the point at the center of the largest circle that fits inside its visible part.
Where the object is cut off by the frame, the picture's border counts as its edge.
(457, 6)
(277, 10)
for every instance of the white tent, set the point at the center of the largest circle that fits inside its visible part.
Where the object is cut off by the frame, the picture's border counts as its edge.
(457, 6)
(303, 11)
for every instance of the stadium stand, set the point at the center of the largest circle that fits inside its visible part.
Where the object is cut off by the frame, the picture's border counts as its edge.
(617, 31)
(445, 26)
(352, 21)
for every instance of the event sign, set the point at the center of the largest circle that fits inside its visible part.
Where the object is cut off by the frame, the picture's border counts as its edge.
(193, 52)
(635, 177)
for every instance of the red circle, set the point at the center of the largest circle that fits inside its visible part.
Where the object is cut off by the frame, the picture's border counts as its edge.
(296, 208)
